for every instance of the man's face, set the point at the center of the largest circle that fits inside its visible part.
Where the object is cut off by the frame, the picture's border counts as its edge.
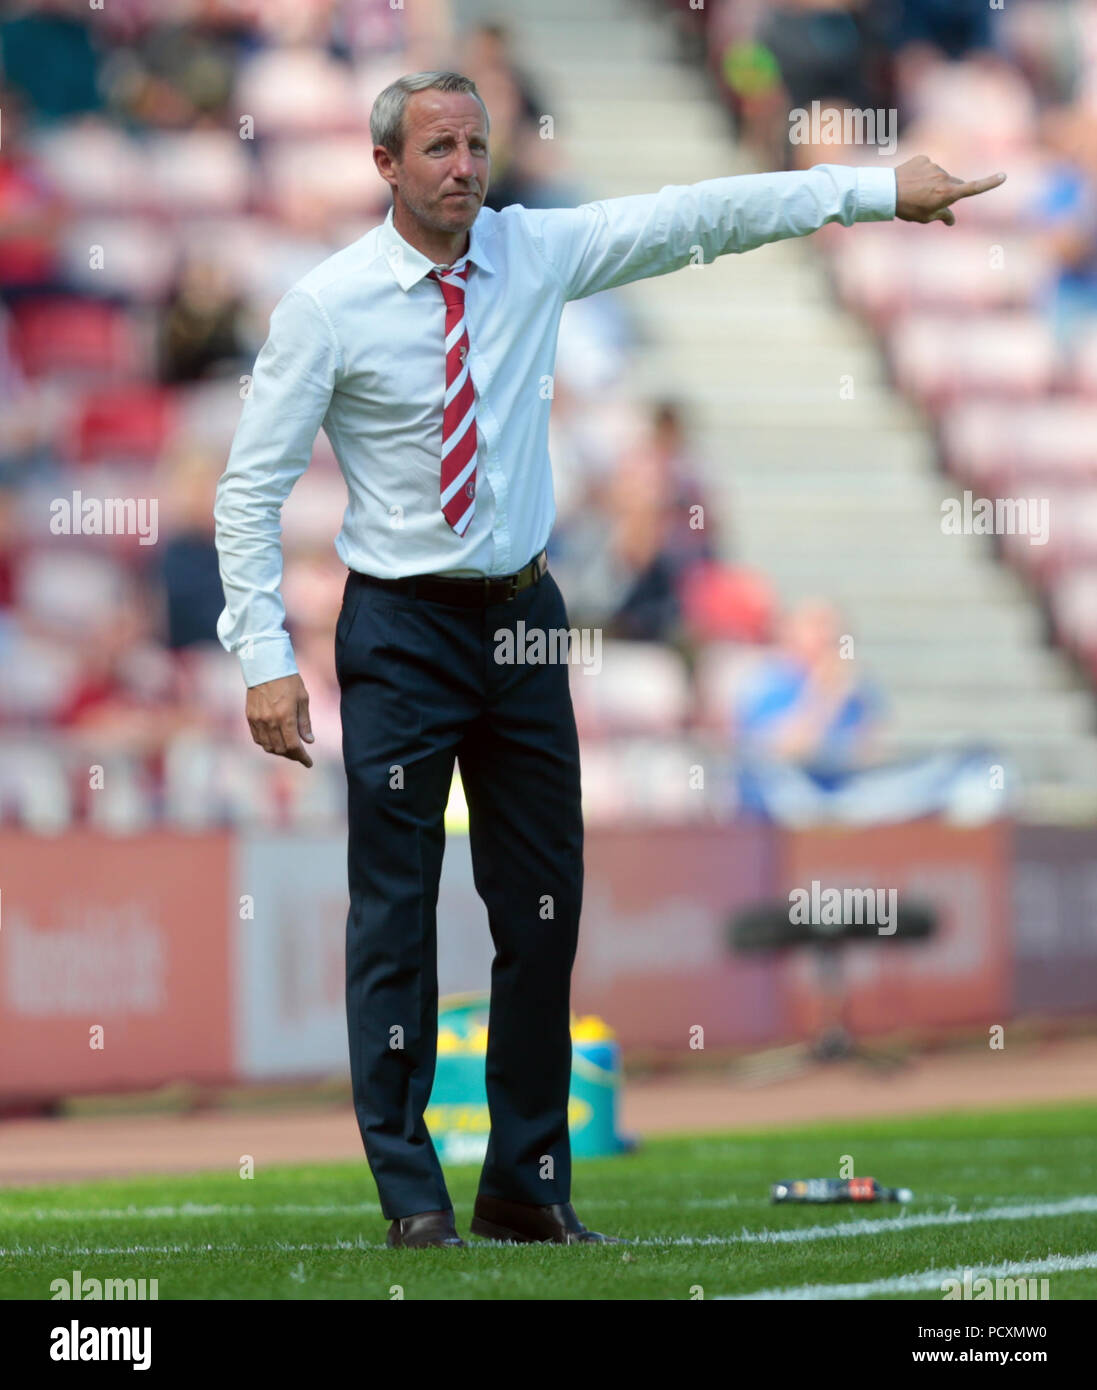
(442, 174)
(811, 632)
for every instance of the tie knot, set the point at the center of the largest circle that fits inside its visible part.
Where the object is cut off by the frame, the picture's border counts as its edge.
(450, 275)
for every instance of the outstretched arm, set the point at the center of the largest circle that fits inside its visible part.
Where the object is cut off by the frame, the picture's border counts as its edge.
(598, 246)
(612, 242)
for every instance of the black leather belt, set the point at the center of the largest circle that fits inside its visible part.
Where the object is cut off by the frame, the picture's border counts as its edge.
(474, 592)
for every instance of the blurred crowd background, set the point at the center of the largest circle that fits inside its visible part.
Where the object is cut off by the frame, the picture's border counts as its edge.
(168, 169)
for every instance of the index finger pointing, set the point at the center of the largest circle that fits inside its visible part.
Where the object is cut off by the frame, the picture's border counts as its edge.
(978, 186)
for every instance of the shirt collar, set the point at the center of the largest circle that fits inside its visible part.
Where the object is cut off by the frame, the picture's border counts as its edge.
(409, 266)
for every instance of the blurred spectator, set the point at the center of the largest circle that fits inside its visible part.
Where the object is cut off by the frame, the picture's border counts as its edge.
(177, 76)
(805, 730)
(659, 530)
(779, 58)
(691, 533)
(775, 58)
(1066, 218)
(32, 216)
(649, 499)
(10, 547)
(521, 160)
(47, 55)
(954, 27)
(188, 568)
(822, 49)
(807, 704)
(201, 329)
(124, 697)
(487, 46)
(650, 610)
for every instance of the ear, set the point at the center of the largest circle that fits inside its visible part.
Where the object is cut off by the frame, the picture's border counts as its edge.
(385, 164)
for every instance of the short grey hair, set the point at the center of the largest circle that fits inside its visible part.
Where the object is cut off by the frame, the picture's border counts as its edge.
(386, 119)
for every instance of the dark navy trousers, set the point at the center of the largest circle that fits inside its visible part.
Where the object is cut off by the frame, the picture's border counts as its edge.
(420, 686)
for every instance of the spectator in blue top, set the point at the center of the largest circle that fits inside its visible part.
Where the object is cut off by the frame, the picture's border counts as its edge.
(1065, 215)
(807, 705)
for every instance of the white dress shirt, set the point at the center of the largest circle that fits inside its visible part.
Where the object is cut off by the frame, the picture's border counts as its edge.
(357, 347)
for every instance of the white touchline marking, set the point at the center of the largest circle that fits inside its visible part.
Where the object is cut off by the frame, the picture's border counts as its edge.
(857, 1227)
(866, 1226)
(197, 1209)
(926, 1279)
(277, 1247)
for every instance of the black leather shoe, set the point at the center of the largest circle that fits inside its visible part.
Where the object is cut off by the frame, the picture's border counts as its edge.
(494, 1219)
(423, 1229)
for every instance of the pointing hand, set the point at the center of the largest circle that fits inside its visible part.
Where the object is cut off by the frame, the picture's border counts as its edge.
(923, 191)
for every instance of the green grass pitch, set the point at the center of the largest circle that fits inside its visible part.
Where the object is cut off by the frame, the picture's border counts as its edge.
(989, 1188)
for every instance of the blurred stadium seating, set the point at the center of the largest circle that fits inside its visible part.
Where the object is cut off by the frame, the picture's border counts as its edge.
(168, 169)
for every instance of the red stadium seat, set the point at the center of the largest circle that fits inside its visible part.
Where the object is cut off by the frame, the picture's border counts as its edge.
(939, 358)
(129, 422)
(1071, 536)
(60, 335)
(882, 275)
(978, 439)
(199, 171)
(1004, 445)
(641, 688)
(138, 261)
(328, 170)
(298, 89)
(990, 107)
(94, 166)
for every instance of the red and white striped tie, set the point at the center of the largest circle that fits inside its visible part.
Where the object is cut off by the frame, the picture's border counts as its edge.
(459, 406)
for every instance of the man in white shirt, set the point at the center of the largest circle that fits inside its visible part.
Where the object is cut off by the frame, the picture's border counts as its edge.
(425, 350)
